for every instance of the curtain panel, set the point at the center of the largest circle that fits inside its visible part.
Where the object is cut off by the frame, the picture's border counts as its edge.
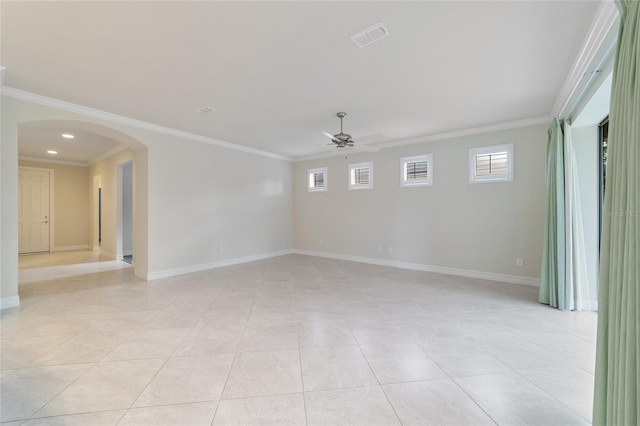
(617, 378)
(552, 275)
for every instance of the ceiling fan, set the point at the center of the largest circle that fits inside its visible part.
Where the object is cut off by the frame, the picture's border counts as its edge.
(341, 140)
(344, 140)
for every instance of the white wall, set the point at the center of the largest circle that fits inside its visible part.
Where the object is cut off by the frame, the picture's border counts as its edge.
(208, 204)
(453, 224)
(8, 207)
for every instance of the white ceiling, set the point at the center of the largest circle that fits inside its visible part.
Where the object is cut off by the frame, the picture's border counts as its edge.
(277, 72)
(38, 138)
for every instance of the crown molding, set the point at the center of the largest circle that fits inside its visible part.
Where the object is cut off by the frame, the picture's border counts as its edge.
(108, 154)
(598, 44)
(115, 118)
(471, 131)
(53, 161)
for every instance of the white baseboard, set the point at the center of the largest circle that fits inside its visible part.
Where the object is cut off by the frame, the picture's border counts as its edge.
(219, 264)
(9, 302)
(71, 248)
(513, 279)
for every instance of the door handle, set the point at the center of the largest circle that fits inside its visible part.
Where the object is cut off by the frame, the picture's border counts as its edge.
(45, 221)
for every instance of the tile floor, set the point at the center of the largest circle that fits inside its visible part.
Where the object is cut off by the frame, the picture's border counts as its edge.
(291, 340)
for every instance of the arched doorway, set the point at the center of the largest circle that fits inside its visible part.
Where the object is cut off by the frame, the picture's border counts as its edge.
(96, 215)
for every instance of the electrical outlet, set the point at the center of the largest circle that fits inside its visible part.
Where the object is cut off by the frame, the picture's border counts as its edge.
(519, 261)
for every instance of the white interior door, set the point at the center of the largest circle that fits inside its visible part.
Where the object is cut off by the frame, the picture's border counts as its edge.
(34, 210)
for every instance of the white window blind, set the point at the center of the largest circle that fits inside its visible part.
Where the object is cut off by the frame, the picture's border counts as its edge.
(318, 179)
(491, 164)
(416, 170)
(361, 175)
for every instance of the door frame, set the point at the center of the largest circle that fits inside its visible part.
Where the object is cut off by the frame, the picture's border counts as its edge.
(51, 202)
(120, 252)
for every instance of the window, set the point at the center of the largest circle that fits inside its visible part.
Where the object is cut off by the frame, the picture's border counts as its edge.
(318, 179)
(491, 164)
(361, 175)
(417, 170)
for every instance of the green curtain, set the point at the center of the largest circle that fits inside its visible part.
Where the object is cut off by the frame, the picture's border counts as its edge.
(552, 275)
(616, 397)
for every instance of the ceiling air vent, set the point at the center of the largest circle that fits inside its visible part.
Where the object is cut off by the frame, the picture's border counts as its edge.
(369, 35)
(205, 109)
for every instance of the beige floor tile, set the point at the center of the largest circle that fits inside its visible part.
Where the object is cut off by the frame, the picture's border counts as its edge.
(268, 315)
(187, 379)
(103, 418)
(224, 316)
(401, 363)
(107, 386)
(42, 325)
(210, 341)
(269, 338)
(88, 346)
(24, 391)
(436, 402)
(174, 318)
(314, 334)
(571, 385)
(195, 414)
(511, 399)
(264, 373)
(470, 364)
(335, 367)
(365, 406)
(144, 344)
(21, 351)
(264, 410)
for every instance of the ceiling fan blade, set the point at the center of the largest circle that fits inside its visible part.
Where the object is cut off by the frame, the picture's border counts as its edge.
(330, 136)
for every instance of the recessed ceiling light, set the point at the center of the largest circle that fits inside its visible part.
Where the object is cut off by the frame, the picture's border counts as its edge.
(68, 136)
(52, 152)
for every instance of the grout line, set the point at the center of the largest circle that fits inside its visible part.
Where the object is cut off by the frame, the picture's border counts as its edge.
(304, 400)
(124, 410)
(373, 373)
(453, 380)
(165, 361)
(233, 361)
(65, 388)
(549, 394)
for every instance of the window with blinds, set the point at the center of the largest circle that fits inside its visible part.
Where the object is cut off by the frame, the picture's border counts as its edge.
(416, 170)
(491, 164)
(318, 179)
(361, 175)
